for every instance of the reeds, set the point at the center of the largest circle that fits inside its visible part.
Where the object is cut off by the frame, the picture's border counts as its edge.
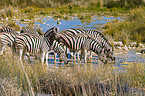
(130, 29)
(85, 80)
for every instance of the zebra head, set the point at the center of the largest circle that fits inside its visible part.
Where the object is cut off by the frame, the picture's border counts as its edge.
(102, 56)
(110, 55)
(52, 34)
(109, 51)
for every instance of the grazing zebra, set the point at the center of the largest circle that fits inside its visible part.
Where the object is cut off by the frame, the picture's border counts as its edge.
(35, 44)
(83, 43)
(97, 36)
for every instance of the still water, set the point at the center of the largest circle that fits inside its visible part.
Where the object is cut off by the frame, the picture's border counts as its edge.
(74, 22)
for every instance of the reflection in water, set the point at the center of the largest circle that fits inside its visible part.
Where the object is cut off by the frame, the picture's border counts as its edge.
(128, 56)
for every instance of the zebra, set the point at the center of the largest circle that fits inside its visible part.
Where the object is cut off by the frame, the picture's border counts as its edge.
(7, 36)
(30, 31)
(35, 44)
(36, 33)
(97, 36)
(83, 43)
(8, 30)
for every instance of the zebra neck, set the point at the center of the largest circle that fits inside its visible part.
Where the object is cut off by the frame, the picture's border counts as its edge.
(95, 47)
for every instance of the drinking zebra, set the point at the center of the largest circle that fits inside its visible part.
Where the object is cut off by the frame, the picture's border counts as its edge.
(36, 33)
(35, 44)
(97, 36)
(83, 43)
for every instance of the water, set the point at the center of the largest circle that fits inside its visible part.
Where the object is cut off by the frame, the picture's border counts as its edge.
(74, 22)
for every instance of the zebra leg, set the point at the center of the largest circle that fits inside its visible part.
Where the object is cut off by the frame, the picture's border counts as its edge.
(2, 50)
(74, 55)
(81, 55)
(55, 57)
(90, 54)
(21, 54)
(85, 58)
(78, 56)
(47, 58)
(42, 57)
(28, 56)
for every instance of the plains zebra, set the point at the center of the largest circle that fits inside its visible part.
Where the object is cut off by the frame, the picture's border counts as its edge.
(8, 30)
(97, 36)
(35, 44)
(7, 36)
(83, 42)
(36, 33)
(30, 31)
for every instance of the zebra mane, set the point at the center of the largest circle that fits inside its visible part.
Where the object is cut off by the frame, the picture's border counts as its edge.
(8, 29)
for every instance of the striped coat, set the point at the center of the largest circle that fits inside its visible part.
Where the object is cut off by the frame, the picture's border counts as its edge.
(97, 36)
(83, 42)
(38, 44)
(7, 37)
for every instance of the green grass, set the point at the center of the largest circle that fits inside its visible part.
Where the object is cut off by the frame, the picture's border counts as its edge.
(78, 80)
(130, 29)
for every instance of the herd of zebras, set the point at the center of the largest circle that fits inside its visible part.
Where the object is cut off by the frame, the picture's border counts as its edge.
(29, 41)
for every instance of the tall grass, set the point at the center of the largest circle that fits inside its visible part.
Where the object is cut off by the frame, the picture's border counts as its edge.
(131, 29)
(55, 3)
(85, 80)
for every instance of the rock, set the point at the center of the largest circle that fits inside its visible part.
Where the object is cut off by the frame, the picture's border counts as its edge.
(119, 43)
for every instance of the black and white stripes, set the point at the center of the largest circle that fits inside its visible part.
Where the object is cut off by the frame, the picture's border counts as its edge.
(83, 43)
(30, 41)
(35, 44)
(97, 36)
(7, 37)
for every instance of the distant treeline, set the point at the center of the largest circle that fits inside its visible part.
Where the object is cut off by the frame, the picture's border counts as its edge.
(55, 3)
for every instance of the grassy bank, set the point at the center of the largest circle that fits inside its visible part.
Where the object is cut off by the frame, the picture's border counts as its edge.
(130, 29)
(84, 80)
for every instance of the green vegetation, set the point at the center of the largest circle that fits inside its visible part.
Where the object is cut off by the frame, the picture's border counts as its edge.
(77, 80)
(130, 29)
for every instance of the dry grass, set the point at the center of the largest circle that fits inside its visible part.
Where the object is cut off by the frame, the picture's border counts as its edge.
(85, 80)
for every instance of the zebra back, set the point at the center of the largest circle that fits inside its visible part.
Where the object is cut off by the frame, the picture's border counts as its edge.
(8, 30)
(30, 31)
(7, 39)
(30, 43)
(100, 38)
(94, 34)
